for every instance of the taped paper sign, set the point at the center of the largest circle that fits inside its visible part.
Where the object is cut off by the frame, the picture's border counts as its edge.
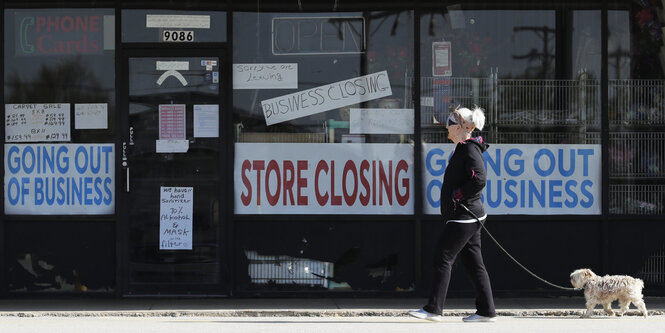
(327, 97)
(381, 121)
(175, 218)
(265, 76)
(37, 122)
(91, 116)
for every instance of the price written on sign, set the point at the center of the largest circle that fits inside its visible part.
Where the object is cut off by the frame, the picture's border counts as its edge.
(175, 218)
(37, 122)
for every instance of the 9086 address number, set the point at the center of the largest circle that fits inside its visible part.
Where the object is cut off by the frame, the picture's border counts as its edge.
(177, 36)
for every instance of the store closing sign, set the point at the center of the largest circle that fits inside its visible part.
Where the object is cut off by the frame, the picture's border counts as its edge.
(314, 178)
(526, 179)
(66, 179)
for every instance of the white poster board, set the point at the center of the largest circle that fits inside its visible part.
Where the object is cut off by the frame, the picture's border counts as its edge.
(265, 76)
(381, 121)
(328, 97)
(176, 211)
(91, 116)
(37, 122)
(322, 178)
(206, 121)
(59, 179)
(529, 179)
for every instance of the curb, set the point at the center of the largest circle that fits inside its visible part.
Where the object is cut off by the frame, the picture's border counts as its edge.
(301, 313)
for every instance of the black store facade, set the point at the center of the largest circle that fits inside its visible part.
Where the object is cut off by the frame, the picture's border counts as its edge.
(237, 148)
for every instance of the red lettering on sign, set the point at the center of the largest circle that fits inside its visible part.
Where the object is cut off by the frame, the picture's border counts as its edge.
(388, 180)
(302, 183)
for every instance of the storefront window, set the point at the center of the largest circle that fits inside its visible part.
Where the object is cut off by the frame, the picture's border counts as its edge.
(540, 97)
(59, 145)
(636, 89)
(327, 96)
(324, 125)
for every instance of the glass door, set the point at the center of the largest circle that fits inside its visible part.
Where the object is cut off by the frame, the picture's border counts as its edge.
(171, 165)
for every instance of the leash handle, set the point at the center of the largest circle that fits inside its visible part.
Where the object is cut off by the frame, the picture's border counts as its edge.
(508, 254)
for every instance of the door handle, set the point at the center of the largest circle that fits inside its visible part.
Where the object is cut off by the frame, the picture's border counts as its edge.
(126, 179)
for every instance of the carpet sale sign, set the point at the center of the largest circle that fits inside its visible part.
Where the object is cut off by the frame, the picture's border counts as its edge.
(274, 178)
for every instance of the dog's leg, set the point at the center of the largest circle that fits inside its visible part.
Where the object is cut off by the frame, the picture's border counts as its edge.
(639, 303)
(608, 308)
(589, 309)
(624, 303)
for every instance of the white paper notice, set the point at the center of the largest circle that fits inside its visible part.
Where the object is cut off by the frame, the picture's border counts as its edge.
(381, 121)
(91, 116)
(37, 122)
(171, 146)
(265, 76)
(175, 218)
(206, 121)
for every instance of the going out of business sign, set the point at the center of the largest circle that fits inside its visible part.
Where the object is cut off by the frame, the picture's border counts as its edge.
(526, 179)
(66, 179)
(44, 33)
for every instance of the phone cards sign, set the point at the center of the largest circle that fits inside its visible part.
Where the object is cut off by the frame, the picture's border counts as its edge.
(526, 179)
(59, 179)
(175, 218)
(37, 122)
(59, 33)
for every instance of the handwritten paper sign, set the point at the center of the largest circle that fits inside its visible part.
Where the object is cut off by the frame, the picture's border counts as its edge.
(91, 116)
(175, 218)
(37, 122)
(265, 76)
(381, 121)
(328, 97)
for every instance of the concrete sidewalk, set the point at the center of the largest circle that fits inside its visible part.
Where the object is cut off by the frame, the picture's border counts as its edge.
(293, 307)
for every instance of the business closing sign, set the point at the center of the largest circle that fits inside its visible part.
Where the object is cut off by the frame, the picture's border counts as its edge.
(324, 98)
(526, 179)
(67, 179)
(313, 178)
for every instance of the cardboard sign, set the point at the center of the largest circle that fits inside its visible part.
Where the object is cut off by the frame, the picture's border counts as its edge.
(325, 98)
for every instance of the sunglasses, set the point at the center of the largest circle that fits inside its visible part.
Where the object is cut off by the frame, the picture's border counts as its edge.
(452, 120)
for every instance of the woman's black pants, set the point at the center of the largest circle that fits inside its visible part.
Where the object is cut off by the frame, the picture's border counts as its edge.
(462, 239)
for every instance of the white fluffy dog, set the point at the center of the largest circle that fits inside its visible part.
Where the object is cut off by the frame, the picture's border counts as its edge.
(605, 289)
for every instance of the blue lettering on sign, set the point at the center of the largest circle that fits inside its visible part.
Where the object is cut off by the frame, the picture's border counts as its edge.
(550, 178)
(40, 175)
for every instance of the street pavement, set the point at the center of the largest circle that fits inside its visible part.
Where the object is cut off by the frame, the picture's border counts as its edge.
(166, 315)
(504, 324)
(285, 307)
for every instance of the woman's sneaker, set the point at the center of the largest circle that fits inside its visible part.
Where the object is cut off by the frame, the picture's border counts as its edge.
(476, 318)
(422, 314)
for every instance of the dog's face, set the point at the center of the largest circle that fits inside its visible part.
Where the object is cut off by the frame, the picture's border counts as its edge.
(580, 277)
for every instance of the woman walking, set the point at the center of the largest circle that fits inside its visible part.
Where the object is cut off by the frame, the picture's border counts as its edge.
(463, 183)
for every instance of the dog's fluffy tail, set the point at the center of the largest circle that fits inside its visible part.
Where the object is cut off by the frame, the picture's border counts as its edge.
(640, 284)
